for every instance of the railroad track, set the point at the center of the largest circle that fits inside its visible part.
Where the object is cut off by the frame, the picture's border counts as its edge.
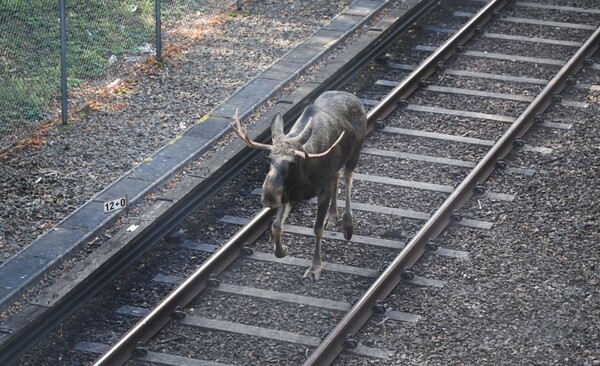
(411, 184)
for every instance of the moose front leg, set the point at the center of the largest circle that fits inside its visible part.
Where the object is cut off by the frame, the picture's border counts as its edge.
(277, 228)
(317, 265)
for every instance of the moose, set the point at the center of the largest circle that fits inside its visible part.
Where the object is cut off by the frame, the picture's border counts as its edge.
(306, 163)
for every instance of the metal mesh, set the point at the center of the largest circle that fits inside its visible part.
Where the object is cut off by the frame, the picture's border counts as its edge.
(100, 35)
(29, 65)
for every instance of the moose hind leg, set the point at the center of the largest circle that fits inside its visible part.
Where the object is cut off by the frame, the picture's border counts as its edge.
(317, 265)
(332, 214)
(277, 228)
(347, 221)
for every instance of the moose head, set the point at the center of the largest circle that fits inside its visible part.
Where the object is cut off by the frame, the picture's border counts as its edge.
(285, 152)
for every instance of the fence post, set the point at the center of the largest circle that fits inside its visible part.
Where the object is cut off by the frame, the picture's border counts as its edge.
(63, 61)
(158, 32)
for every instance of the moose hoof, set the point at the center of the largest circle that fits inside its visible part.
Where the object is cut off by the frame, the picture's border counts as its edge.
(329, 224)
(330, 221)
(314, 271)
(281, 252)
(348, 232)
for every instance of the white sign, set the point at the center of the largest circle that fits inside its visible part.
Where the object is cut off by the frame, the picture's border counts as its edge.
(116, 204)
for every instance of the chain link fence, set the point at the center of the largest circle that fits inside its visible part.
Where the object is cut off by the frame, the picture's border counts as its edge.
(100, 34)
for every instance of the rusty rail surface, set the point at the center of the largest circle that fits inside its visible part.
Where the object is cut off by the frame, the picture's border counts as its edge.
(120, 352)
(169, 308)
(341, 336)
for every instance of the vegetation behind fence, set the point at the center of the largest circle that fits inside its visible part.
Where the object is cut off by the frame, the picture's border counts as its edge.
(99, 34)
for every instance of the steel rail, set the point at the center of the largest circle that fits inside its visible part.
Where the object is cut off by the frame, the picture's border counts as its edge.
(42, 321)
(435, 61)
(185, 292)
(336, 340)
(180, 297)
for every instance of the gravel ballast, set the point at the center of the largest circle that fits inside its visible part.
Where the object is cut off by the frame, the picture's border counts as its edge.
(527, 293)
(60, 168)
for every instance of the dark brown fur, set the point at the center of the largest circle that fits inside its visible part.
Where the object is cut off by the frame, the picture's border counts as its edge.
(292, 178)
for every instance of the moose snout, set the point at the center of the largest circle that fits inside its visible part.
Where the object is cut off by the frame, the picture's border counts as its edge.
(270, 196)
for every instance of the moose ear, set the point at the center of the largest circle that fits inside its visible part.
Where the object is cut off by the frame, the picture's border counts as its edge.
(277, 127)
(304, 135)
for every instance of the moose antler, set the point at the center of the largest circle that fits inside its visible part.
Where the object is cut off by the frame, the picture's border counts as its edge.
(243, 134)
(306, 155)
